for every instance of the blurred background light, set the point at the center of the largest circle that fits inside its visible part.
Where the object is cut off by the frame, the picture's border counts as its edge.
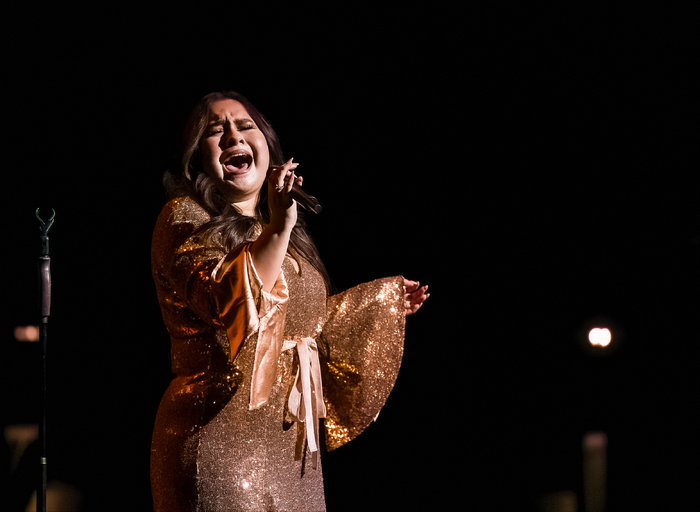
(27, 333)
(600, 336)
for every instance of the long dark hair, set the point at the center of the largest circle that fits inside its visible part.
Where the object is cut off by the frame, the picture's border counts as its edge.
(228, 226)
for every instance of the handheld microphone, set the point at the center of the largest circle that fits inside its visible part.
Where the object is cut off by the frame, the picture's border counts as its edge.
(305, 200)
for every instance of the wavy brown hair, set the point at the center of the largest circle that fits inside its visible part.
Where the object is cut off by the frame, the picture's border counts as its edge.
(228, 226)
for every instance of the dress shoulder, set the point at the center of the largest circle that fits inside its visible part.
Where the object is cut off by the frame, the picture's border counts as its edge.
(182, 260)
(183, 210)
(179, 219)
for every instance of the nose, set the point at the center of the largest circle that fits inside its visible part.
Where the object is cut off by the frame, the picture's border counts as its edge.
(233, 136)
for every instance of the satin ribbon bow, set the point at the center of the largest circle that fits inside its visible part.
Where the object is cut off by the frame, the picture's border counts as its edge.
(306, 399)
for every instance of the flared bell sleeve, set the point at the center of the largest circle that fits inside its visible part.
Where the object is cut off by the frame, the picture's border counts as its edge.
(364, 338)
(245, 309)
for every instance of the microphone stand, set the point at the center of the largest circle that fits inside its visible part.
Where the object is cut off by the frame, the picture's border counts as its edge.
(44, 308)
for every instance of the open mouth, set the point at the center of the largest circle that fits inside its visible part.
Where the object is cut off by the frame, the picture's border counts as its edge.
(238, 162)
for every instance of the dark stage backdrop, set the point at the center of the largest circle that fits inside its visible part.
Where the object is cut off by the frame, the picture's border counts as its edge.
(537, 168)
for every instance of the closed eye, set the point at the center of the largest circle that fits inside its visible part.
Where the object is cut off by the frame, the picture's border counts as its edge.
(215, 128)
(246, 125)
(241, 125)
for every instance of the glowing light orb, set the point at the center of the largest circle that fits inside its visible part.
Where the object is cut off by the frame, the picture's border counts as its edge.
(600, 336)
(27, 333)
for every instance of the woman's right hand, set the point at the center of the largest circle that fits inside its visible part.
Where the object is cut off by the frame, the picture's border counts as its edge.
(269, 249)
(283, 211)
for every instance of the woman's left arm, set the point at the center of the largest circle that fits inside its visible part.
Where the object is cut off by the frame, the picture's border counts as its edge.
(414, 295)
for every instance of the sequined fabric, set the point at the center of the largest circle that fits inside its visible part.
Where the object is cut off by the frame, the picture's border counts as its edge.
(361, 336)
(210, 450)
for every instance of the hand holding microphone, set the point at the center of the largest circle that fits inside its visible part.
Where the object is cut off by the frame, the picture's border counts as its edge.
(307, 201)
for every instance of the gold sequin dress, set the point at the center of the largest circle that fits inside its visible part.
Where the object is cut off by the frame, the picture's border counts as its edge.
(241, 434)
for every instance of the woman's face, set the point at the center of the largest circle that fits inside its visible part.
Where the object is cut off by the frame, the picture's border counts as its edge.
(234, 151)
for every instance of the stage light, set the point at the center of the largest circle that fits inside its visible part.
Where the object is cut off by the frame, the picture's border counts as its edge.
(600, 336)
(27, 333)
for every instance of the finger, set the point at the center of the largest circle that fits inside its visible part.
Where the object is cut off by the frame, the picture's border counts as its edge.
(416, 291)
(277, 170)
(289, 181)
(419, 296)
(412, 307)
(416, 297)
(414, 301)
(410, 285)
(283, 182)
(274, 175)
(286, 165)
(286, 176)
(289, 165)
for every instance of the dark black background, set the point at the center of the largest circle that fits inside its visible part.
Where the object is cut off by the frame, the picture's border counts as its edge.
(536, 167)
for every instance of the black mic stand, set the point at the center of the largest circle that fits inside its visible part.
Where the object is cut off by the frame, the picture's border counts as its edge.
(44, 308)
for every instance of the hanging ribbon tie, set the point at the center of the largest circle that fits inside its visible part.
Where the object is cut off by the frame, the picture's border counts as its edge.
(306, 399)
